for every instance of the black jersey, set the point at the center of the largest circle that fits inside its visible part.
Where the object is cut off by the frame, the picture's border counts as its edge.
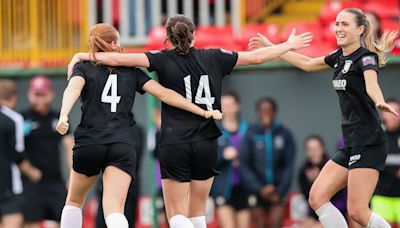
(42, 143)
(389, 181)
(361, 124)
(11, 152)
(107, 101)
(198, 77)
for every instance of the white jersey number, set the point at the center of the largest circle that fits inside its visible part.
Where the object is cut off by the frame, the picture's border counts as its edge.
(204, 86)
(113, 99)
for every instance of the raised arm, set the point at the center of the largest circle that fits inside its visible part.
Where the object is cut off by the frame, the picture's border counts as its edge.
(173, 98)
(71, 95)
(375, 93)
(111, 59)
(300, 61)
(266, 53)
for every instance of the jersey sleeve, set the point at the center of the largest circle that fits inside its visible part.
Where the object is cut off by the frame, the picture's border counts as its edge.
(226, 59)
(369, 62)
(330, 59)
(78, 70)
(142, 78)
(18, 140)
(154, 60)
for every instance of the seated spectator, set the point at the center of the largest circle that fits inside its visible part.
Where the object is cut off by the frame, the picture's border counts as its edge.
(231, 199)
(267, 155)
(386, 200)
(316, 156)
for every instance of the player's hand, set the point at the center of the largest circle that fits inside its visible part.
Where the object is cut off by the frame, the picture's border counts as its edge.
(259, 41)
(71, 65)
(35, 175)
(215, 114)
(62, 125)
(299, 41)
(230, 153)
(385, 107)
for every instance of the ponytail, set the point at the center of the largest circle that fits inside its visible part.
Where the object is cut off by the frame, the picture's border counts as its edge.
(100, 38)
(180, 32)
(378, 45)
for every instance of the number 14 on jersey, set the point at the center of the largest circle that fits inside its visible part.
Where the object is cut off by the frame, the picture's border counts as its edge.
(204, 86)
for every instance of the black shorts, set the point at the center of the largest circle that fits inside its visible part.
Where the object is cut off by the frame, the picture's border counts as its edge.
(373, 156)
(12, 205)
(239, 199)
(91, 159)
(44, 200)
(256, 200)
(189, 161)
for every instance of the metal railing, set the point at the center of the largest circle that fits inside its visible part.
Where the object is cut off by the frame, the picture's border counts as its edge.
(39, 32)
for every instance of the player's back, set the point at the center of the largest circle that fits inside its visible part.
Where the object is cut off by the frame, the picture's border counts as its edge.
(107, 101)
(197, 76)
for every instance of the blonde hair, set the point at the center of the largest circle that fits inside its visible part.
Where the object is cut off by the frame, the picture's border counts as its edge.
(100, 38)
(379, 45)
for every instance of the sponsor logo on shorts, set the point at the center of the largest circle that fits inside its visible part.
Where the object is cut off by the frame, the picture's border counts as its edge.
(354, 159)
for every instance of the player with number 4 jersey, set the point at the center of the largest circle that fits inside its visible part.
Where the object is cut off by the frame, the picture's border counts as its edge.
(188, 147)
(104, 140)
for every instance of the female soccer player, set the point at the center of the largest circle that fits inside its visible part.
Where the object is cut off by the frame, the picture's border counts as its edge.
(355, 79)
(104, 140)
(188, 145)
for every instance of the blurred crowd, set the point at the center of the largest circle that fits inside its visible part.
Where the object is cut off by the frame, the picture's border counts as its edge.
(256, 162)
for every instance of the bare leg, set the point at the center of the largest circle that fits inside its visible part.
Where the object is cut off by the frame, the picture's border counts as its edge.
(243, 218)
(226, 217)
(361, 186)
(13, 220)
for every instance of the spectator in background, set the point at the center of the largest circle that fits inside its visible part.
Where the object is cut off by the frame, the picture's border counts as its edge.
(45, 148)
(231, 198)
(316, 156)
(375, 24)
(267, 161)
(12, 153)
(386, 200)
(134, 188)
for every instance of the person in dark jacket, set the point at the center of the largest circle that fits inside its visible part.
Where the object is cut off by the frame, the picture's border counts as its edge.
(316, 157)
(267, 160)
(231, 199)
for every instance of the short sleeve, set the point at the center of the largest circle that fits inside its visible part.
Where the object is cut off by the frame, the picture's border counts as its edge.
(227, 59)
(78, 70)
(142, 78)
(369, 62)
(330, 59)
(154, 59)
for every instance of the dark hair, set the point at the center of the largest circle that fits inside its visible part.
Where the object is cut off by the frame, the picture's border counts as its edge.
(379, 45)
(180, 31)
(269, 100)
(315, 137)
(232, 94)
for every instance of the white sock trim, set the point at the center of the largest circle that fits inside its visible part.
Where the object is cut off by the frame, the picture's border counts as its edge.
(71, 207)
(199, 221)
(116, 220)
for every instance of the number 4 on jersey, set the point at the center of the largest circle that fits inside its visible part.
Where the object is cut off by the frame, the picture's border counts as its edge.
(204, 85)
(113, 99)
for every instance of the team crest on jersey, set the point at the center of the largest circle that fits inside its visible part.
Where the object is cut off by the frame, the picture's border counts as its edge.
(279, 142)
(347, 65)
(368, 60)
(339, 84)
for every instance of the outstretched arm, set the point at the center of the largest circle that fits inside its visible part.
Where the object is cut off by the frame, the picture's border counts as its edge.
(111, 59)
(375, 93)
(71, 95)
(268, 53)
(173, 98)
(301, 61)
